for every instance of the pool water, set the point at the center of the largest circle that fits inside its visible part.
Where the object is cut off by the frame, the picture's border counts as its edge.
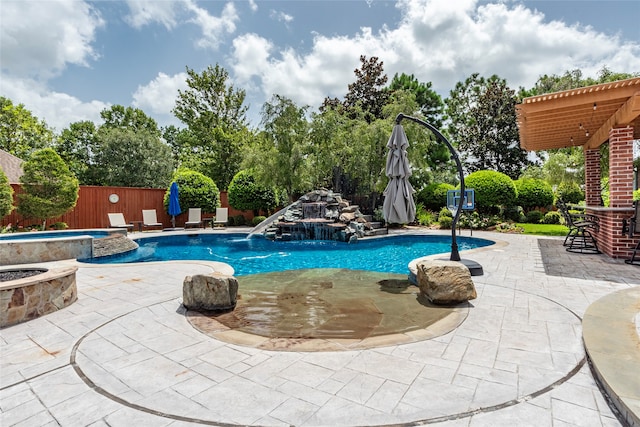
(36, 235)
(258, 255)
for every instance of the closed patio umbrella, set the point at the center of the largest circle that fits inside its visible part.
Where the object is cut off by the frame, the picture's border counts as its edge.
(174, 203)
(399, 206)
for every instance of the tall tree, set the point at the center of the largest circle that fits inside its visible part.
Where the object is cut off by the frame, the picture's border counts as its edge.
(215, 114)
(128, 158)
(120, 117)
(6, 195)
(483, 125)
(49, 187)
(77, 146)
(430, 104)
(367, 92)
(21, 132)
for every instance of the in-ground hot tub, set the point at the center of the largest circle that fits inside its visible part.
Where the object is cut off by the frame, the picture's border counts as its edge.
(41, 292)
(27, 248)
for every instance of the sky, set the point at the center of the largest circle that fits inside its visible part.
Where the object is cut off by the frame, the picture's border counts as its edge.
(67, 60)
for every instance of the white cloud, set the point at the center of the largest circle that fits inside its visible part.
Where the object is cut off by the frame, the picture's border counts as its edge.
(281, 17)
(441, 41)
(40, 39)
(159, 95)
(213, 27)
(144, 12)
(57, 109)
(253, 5)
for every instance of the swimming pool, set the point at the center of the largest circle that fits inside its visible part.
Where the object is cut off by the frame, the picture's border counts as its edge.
(53, 234)
(258, 255)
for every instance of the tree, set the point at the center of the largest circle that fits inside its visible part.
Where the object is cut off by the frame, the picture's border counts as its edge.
(128, 158)
(483, 125)
(77, 146)
(215, 115)
(49, 187)
(6, 195)
(247, 194)
(120, 117)
(367, 91)
(20, 132)
(430, 104)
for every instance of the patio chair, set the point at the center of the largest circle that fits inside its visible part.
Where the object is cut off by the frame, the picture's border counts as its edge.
(116, 220)
(579, 238)
(222, 217)
(150, 219)
(195, 218)
(631, 227)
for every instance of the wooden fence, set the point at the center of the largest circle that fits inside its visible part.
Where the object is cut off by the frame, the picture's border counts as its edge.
(94, 204)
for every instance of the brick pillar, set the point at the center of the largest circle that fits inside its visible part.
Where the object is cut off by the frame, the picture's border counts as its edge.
(621, 167)
(592, 174)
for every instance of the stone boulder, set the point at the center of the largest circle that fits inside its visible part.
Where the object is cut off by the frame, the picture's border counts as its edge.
(210, 292)
(445, 282)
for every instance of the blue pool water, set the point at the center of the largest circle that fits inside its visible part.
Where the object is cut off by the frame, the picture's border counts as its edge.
(52, 234)
(258, 255)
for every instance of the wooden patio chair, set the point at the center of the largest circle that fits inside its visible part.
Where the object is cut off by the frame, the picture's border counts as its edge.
(579, 238)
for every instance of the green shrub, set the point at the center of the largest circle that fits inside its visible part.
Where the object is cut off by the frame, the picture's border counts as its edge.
(570, 192)
(257, 220)
(636, 195)
(491, 189)
(534, 217)
(247, 195)
(59, 226)
(231, 221)
(195, 190)
(423, 216)
(551, 217)
(6, 195)
(515, 213)
(434, 196)
(533, 193)
(445, 221)
(239, 220)
(444, 212)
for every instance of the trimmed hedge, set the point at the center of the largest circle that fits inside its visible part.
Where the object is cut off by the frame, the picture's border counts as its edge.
(533, 193)
(434, 196)
(491, 189)
(246, 195)
(195, 190)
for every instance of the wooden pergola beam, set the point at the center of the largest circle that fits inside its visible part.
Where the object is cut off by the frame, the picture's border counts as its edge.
(626, 114)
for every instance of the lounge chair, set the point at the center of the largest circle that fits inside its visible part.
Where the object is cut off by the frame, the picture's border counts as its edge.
(631, 227)
(579, 238)
(222, 217)
(195, 218)
(150, 219)
(116, 220)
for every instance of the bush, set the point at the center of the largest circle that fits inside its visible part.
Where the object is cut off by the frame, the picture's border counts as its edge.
(434, 196)
(569, 192)
(246, 195)
(195, 190)
(257, 220)
(239, 220)
(59, 226)
(491, 189)
(551, 217)
(533, 193)
(534, 217)
(445, 221)
(515, 213)
(444, 212)
(6, 195)
(636, 195)
(423, 216)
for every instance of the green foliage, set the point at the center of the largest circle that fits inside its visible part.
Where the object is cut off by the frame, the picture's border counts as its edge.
(445, 221)
(49, 188)
(246, 194)
(59, 226)
(213, 111)
(129, 118)
(569, 192)
(20, 132)
(564, 165)
(423, 216)
(239, 220)
(257, 220)
(6, 195)
(514, 213)
(195, 190)
(444, 212)
(434, 196)
(551, 217)
(534, 217)
(491, 189)
(77, 146)
(128, 158)
(544, 229)
(636, 195)
(429, 102)
(533, 193)
(483, 124)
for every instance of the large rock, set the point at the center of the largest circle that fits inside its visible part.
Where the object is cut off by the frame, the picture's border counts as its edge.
(445, 282)
(210, 292)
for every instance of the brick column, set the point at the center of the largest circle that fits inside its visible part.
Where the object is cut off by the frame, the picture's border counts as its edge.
(592, 173)
(620, 167)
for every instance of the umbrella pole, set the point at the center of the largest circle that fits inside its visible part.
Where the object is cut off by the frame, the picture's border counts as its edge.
(455, 255)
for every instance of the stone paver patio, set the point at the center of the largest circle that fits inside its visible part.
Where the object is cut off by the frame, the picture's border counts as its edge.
(125, 354)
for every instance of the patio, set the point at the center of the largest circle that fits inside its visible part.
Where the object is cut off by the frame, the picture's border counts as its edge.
(124, 354)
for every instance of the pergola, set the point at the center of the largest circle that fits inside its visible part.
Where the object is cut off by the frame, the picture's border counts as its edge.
(589, 117)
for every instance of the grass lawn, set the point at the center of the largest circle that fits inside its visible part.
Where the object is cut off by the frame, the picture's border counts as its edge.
(544, 229)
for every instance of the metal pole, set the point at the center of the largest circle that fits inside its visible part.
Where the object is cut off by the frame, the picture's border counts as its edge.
(455, 255)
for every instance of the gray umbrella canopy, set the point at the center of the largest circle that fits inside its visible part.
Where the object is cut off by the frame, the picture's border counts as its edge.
(399, 206)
